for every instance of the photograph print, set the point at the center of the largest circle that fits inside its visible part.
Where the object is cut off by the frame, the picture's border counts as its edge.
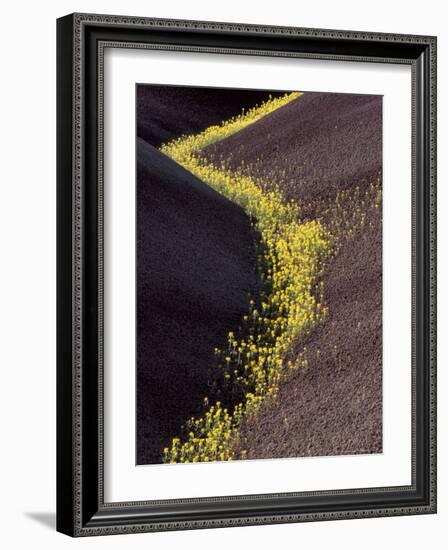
(258, 274)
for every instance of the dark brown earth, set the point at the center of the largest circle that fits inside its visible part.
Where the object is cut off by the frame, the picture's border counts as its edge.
(168, 112)
(313, 148)
(196, 266)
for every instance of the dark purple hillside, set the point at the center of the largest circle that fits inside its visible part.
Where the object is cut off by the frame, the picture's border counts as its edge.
(196, 266)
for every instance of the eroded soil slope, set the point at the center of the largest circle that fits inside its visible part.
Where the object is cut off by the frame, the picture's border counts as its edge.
(196, 266)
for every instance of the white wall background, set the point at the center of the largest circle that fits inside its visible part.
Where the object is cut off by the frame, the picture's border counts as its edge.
(27, 274)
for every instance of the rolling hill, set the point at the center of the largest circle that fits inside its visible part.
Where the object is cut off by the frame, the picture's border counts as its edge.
(196, 266)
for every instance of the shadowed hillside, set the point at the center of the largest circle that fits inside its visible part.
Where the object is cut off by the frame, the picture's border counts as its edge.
(196, 266)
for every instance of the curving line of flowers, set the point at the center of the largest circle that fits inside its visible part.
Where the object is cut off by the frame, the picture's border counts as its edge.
(291, 258)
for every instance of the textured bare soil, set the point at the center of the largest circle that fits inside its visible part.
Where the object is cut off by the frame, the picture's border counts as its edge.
(322, 143)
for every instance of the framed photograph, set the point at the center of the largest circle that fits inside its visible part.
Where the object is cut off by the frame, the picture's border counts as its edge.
(246, 274)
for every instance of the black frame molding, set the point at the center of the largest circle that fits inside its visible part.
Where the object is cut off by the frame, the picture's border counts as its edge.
(81, 40)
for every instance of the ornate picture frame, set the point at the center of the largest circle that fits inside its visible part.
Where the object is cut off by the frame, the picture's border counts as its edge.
(81, 506)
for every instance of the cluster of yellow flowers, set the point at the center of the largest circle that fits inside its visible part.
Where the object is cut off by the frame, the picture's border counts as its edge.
(291, 259)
